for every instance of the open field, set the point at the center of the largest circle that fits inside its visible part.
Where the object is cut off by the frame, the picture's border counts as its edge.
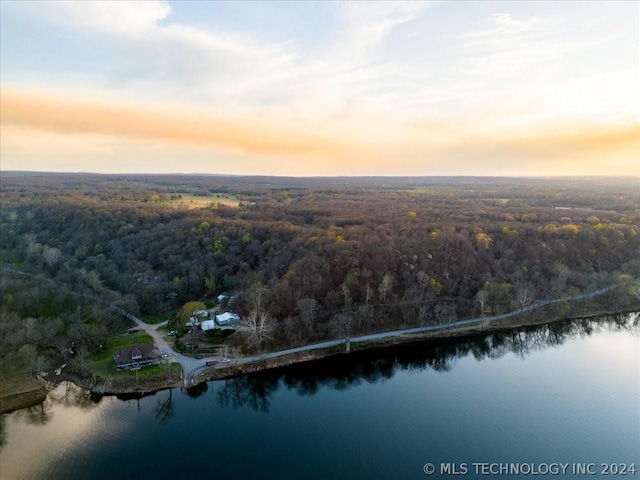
(201, 201)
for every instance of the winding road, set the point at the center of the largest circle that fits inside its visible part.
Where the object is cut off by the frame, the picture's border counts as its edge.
(191, 366)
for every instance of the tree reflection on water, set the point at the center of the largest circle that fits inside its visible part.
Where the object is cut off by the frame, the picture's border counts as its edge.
(66, 394)
(343, 371)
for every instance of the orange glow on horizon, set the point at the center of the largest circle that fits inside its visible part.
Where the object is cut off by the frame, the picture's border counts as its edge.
(34, 123)
(64, 115)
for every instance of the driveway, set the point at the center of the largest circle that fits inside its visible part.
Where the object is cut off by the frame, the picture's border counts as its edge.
(190, 366)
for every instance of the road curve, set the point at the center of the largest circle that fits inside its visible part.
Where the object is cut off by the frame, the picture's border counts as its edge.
(191, 366)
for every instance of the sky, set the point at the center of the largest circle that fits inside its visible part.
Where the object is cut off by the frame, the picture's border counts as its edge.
(321, 88)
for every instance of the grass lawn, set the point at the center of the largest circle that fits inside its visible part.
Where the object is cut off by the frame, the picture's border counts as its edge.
(108, 371)
(102, 364)
(154, 320)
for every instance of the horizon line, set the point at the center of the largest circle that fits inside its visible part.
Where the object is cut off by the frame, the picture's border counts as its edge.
(59, 172)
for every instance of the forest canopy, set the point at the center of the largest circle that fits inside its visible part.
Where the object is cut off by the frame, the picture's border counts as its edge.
(327, 254)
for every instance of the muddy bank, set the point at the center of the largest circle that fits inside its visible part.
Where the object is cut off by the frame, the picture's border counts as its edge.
(122, 386)
(34, 394)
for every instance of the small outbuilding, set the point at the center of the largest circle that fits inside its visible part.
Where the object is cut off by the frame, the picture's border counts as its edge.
(207, 325)
(227, 318)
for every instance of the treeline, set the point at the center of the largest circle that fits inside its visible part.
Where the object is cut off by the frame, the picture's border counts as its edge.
(44, 324)
(320, 258)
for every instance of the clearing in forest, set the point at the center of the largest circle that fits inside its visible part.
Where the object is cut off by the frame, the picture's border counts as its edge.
(206, 201)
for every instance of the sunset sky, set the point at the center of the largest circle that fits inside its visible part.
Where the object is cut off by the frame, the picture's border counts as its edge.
(321, 88)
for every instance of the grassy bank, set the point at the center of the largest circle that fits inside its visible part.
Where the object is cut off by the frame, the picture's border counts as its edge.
(18, 392)
(106, 378)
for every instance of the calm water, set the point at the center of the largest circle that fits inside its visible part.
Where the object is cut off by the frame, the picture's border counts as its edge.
(568, 392)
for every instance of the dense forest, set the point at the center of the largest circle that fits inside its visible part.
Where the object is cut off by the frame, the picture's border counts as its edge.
(311, 256)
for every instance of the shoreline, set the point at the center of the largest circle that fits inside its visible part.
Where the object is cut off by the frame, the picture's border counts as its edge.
(17, 400)
(462, 331)
(34, 394)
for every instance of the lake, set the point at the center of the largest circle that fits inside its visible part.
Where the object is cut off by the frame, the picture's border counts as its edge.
(526, 399)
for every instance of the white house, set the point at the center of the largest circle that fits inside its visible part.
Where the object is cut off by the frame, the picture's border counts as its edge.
(226, 318)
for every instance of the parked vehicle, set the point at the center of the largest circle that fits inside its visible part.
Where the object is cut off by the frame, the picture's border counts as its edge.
(172, 333)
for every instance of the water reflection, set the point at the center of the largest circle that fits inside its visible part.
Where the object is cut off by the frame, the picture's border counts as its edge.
(197, 390)
(3, 431)
(251, 391)
(165, 409)
(344, 371)
(586, 408)
(66, 395)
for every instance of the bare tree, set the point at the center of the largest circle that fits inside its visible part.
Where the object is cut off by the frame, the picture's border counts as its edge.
(562, 273)
(346, 294)
(235, 352)
(308, 307)
(257, 297)
(345, 322)
(423, 314)
(524, 294)
(52, 256)
(385, 285)
(481, 299)
(259, 328)
(422, 279)
(83, 357)
(224, 351)
(367, 293)
(92, 278)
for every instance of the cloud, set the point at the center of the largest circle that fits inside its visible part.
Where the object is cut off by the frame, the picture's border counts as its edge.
(163, 58)
(389, 90)
(62, 115)
(570, 141)
(34, 125)
(503, 25)
(506, 24)
(121, 18)
(552, 149)
(367, 23)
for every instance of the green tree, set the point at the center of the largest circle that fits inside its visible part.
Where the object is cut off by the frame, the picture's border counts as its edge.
(188, 308)
(210, 282)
